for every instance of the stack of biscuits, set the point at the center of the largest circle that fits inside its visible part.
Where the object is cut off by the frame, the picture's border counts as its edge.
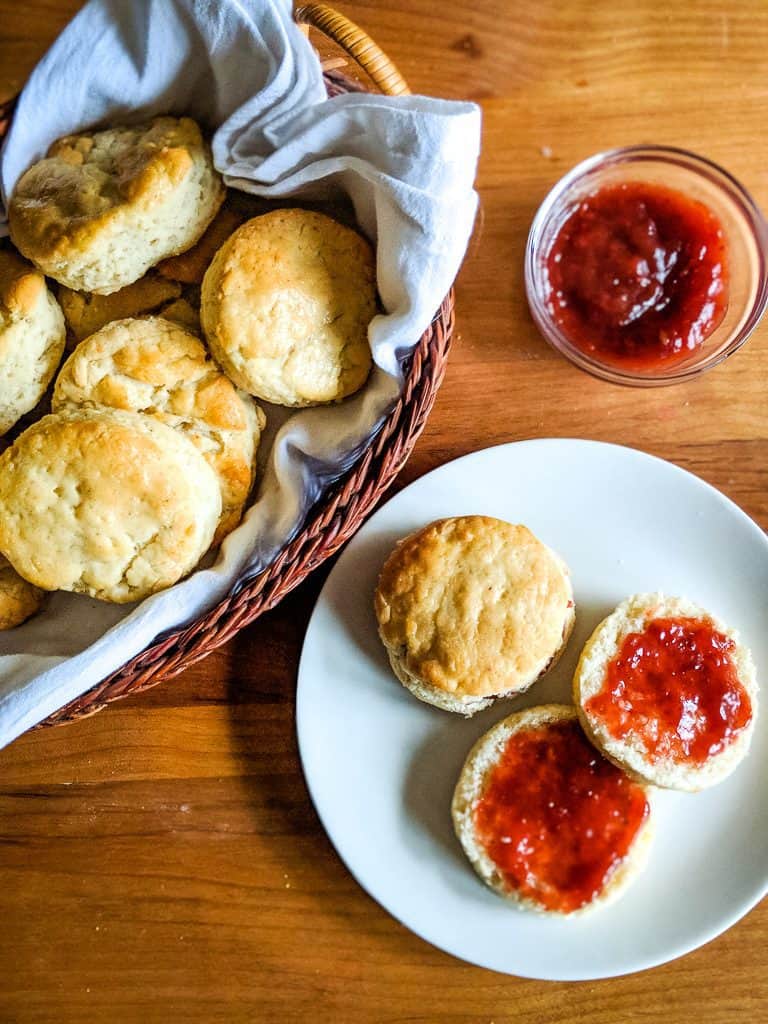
(174, 308)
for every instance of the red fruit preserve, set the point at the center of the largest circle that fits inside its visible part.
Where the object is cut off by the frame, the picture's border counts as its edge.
(556, 817)
(676, 689)
(637, 275)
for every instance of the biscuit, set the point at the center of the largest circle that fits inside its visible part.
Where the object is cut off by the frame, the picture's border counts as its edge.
(111, 504)
(154, 366)
(286, 305)
(472, 608)
(19, 600)
(86, 312)
(560, 830)
(190, 266)
(182, 312)
(103, 207)
(32, 337)
(688, 738)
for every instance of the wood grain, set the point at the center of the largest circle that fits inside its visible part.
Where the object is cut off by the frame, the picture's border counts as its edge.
(161, 861)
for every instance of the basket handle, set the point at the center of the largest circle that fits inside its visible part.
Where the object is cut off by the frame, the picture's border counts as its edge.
(360, 47)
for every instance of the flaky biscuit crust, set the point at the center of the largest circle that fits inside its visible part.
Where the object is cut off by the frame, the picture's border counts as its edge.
(103, 207)
(183, 312)
(19, 599)
(156, 367)
(473, 607)
(190, 266)
(86, 312)
(286, 305)
(32, 337)
(112, 504)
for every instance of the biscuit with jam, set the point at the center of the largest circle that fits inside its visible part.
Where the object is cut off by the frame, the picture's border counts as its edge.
(668, 692)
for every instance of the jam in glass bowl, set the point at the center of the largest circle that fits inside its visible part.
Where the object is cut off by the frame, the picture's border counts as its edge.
(647, 265)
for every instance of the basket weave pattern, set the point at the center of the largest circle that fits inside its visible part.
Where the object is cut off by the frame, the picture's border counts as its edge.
(328, 525)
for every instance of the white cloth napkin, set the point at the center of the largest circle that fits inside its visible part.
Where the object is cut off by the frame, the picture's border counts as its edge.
(242, 68)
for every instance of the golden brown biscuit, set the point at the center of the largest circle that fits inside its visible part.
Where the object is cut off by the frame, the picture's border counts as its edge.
(668, 723)
(103, 207)
(111, 504)
(182, 312)
(19, 600)
(547, 822)
(155, 367)
(190, 266)
(286, 305)
(87, 313)
(32, 338)
(472, 608)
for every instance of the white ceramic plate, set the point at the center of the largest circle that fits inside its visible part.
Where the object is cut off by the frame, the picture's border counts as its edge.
(381, 766)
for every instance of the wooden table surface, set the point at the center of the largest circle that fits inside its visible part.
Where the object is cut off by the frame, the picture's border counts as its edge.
(161, 861)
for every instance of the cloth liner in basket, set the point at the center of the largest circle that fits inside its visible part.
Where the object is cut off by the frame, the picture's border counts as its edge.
(407, 164)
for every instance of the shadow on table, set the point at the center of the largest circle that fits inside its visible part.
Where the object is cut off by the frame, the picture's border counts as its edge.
(261, 704)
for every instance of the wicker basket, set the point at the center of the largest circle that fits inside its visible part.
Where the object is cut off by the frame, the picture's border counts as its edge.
(345, 506)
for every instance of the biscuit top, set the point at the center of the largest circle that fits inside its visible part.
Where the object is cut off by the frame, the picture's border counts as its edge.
(87, 313)
(113, 504)
(18, 598)
(21, 287)
(63, 199)
(150, 366)
(286, 306)
(473, 605)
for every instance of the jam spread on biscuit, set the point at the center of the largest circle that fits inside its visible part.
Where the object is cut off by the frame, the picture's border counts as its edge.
(674, 687)
(638, 275)
(556, 817)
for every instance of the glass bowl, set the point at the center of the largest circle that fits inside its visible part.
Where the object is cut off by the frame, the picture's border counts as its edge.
(698, 178)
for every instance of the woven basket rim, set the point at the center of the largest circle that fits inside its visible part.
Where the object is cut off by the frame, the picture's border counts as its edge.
(328, 525)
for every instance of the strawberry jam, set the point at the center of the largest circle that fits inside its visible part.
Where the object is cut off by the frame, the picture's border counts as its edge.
(676, 689)
(556, 817)
(637, 276)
